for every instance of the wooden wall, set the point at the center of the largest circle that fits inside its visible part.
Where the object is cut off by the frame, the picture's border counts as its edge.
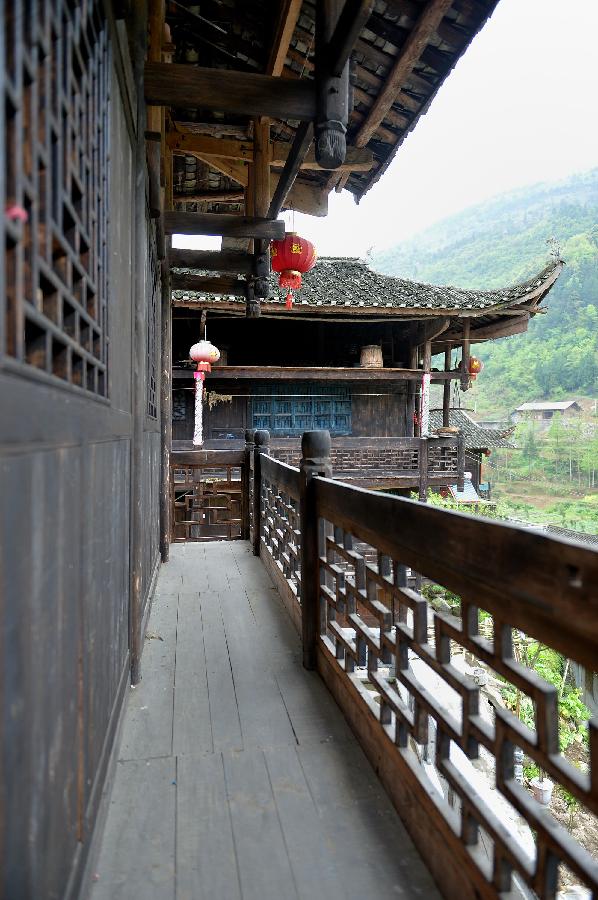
(378, 410)
(65, 511)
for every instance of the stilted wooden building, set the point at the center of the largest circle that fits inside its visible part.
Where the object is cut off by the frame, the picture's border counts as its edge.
(230, 767)
(349, 356)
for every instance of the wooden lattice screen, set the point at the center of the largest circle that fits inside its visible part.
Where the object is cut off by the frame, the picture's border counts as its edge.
(55, 188)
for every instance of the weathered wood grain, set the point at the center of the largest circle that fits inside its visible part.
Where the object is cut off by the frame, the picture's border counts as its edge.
(224, 90)
(222, 224)
(137, 858)
(206, 858)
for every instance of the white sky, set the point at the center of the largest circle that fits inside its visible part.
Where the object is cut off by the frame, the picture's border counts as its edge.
(520, 107)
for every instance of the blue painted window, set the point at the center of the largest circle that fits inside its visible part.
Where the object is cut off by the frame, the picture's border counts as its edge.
(290, 409)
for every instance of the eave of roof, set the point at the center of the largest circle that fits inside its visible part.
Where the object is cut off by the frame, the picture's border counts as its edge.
(242, 39)
(476, 436)
(337, 286)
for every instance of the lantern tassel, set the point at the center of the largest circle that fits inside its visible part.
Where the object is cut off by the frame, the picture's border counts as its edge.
(198, 429)
(289, 301)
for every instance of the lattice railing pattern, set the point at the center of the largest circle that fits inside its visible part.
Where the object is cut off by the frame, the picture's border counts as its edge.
(421, 697)
(442, 460)
(55, 185)
(396, 461)
(207, 502)
(281, 532)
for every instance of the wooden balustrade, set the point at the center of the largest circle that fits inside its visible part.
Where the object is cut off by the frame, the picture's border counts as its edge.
(410, 680)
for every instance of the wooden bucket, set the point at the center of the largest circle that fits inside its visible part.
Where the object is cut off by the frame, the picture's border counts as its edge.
(371, 357)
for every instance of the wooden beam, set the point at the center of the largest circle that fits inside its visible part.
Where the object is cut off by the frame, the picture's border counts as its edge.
(225, 225)
(285, 26)
(352, 19)
(356, 160)
(308, 373)
(303, 138)
(211, 261)
(203, 285)
(186, 141)
(304, 197)
(410, 52)
(231, 196)
(225, 90)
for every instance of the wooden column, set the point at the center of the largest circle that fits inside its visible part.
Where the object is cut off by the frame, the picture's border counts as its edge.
(315, 460)
(425, 401)
(166, 355)
(262, 440)
(332, 91)
(165, 413)
(423, 469)
(446, 388)
(138, 353)
(465, 355)
(460, 461)
(259, 185)
(245, 481)
(410, 424)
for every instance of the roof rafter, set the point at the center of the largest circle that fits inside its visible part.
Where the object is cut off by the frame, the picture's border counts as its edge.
(416, 41)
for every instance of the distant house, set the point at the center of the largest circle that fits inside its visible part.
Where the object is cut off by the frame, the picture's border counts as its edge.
(544, 411)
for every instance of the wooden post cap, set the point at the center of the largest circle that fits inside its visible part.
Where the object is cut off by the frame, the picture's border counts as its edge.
(261, 437)
(315, 445)
(250, 435)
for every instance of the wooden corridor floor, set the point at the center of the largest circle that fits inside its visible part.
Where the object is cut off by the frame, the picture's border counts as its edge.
(237, 774)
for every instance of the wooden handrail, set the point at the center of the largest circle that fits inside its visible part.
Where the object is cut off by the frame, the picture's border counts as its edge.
(203, 459)
(541, 587)
(285, 477)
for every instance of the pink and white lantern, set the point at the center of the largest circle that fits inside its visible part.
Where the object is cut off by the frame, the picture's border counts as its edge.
(204, 354)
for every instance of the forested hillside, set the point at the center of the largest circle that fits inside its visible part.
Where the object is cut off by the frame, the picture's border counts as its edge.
(504, 241)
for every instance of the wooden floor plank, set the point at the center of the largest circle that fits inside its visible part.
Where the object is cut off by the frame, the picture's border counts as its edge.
(314, 866)
(224, 712)
(206, 861)
(147, 729)
(264, 867)
(192, 726)
(137, 857)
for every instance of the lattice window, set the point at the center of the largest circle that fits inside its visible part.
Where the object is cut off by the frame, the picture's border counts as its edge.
(55, 193)
(153, 293)
(291, 409)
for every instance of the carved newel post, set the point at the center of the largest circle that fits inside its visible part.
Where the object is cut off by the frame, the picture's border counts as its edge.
(315, 460)
(262, 440)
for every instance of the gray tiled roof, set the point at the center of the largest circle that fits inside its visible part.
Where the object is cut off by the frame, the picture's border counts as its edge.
(340, 283)
(476, 437)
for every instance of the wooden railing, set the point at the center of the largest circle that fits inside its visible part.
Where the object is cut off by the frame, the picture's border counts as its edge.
(341, 557)
(380, 462)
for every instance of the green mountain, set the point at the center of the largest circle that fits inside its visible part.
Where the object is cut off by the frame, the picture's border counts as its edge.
(503, 241)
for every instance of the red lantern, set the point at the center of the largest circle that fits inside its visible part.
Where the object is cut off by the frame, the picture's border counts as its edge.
(475, 366)
(487, 452)
(291, 258)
